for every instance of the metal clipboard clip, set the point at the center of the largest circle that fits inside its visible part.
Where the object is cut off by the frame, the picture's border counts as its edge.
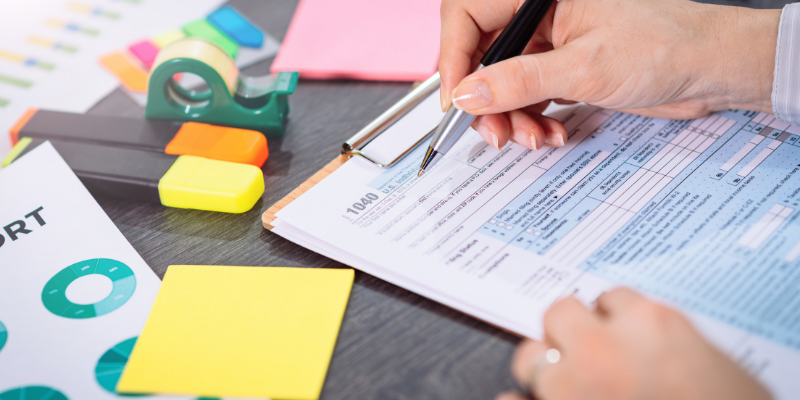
(354, 145)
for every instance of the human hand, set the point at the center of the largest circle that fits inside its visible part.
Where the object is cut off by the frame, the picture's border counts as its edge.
(627, 348)
(662, 58)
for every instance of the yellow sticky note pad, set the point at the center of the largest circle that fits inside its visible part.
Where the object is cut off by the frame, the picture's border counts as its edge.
(251, 332)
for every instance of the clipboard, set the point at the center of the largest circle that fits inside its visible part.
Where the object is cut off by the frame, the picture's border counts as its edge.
(354, 147)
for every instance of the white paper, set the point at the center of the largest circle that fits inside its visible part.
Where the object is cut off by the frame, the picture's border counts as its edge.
(628, 200)
(42, 348)
(77, 82)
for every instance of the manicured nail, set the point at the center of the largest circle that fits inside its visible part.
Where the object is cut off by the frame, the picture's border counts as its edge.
(442, 100)
(534, 144)
(484, 131)
(472, 95)
(554, 139)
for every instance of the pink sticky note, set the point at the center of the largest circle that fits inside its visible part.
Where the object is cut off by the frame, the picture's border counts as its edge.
(387, 40)
(145, 51)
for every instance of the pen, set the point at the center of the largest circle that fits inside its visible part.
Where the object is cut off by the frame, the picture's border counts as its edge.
(510, 43)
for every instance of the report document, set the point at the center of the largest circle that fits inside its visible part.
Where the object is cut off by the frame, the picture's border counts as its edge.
(699, 214)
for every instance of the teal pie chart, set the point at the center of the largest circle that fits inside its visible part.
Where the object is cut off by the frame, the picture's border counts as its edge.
(109, 367)
(32, 393)
(3, 335)
(54, 294)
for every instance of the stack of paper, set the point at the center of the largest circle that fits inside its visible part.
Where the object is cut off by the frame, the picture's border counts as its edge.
(701, 214)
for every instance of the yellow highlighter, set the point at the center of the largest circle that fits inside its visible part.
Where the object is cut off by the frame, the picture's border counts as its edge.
(203, 184)
(174, 181)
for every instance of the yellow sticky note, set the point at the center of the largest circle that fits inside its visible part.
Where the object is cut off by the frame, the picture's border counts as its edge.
(251, 332)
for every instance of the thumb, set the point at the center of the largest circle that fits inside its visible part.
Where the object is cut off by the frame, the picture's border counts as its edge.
(518, 82)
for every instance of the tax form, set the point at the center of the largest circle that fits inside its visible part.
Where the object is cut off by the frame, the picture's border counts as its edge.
(699, 214)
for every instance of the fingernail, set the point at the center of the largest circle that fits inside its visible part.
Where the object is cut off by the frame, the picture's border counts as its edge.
(534, 144)
(472, 95)
(442, 100)
(484, 131)
(519, 133)
(554, 139)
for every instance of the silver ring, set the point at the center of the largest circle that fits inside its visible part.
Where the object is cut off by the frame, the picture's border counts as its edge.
(549, 357)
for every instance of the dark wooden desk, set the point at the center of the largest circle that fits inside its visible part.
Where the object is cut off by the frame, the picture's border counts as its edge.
(393, 344)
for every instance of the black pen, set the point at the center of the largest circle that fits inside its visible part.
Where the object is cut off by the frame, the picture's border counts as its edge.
(510, 43)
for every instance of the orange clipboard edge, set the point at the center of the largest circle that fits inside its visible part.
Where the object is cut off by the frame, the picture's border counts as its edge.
(352, 147)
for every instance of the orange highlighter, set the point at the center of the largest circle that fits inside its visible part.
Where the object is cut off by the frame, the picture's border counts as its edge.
(242, 146)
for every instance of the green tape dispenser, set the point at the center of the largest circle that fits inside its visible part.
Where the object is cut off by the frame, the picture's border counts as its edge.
(259, 103)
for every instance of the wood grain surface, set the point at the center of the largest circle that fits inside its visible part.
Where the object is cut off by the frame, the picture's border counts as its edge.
(393, 344)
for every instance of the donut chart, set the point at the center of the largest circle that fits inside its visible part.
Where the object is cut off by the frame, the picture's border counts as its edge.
(112, 362)
(54, 295)
(32, 393)
(3, 335)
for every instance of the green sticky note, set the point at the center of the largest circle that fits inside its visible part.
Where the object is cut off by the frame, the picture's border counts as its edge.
(202, 29)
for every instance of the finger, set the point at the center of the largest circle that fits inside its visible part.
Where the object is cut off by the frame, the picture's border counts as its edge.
(519, 82)
(617, 300)
(459, 39)
(510, 396)
(463, 23)
(494, 129)
(526, 354)
(567, 321)
(555, 134)
(554, 382)
(554, 131)
(525, 130)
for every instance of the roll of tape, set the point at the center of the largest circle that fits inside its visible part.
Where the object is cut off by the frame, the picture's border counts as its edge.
(254, 86)
(232, 100)
(205, 51)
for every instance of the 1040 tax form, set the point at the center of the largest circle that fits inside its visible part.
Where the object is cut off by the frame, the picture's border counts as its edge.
(700, 214)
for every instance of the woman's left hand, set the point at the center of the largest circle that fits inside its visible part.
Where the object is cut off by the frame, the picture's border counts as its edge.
(627, 348)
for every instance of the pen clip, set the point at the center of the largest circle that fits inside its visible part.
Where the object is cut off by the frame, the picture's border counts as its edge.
(355, 145)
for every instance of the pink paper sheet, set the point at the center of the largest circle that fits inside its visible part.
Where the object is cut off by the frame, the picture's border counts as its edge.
(389, 40)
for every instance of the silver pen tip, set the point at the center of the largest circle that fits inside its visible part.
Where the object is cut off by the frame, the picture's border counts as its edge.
(420, 173)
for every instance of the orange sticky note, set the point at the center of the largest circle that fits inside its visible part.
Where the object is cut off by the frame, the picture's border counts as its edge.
(122, 66)
(362, 39)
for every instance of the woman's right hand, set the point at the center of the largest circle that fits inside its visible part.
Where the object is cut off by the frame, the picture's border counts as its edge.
(662, 58)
